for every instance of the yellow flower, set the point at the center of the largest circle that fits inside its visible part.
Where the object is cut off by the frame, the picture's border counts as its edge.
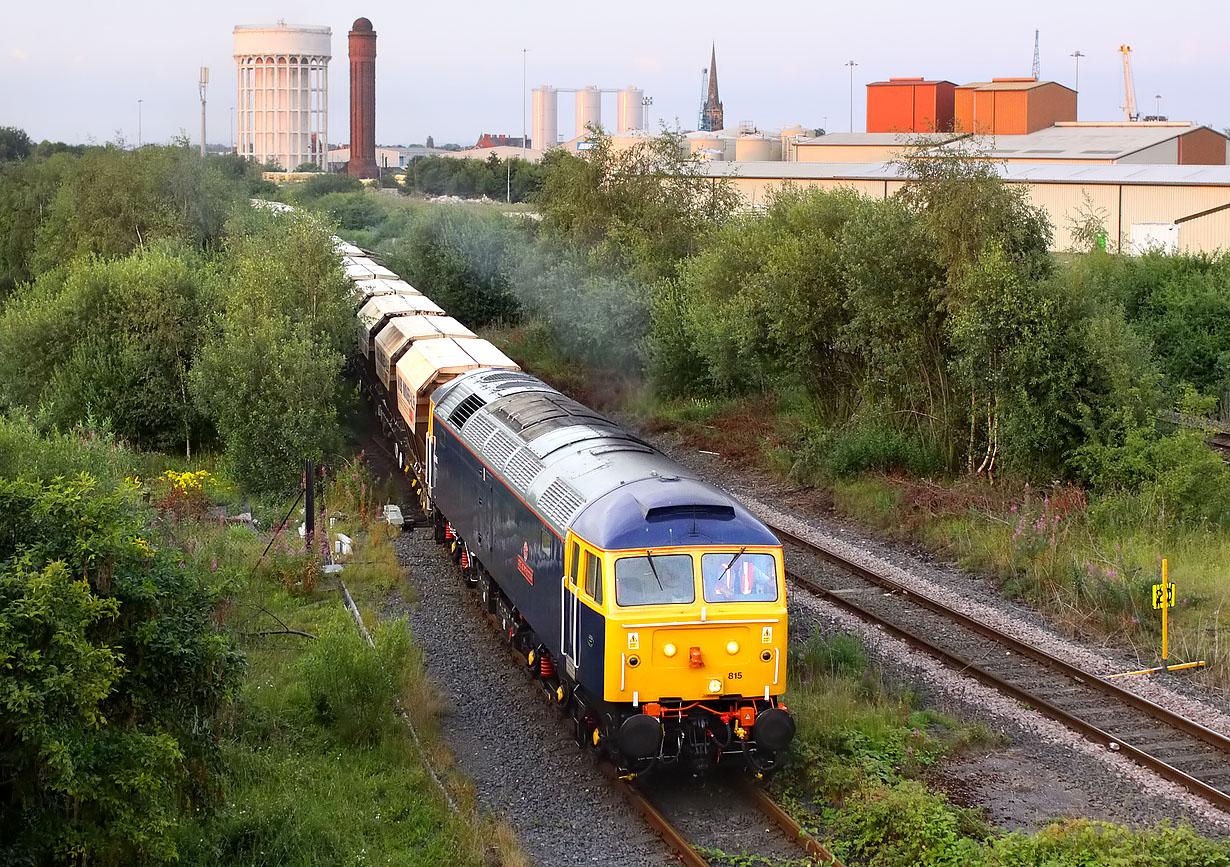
(141, 545)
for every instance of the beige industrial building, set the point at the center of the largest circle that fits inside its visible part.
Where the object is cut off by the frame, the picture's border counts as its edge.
(1178, 208)
(1148, 142)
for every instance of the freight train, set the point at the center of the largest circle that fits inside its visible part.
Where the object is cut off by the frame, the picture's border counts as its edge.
(649, 605)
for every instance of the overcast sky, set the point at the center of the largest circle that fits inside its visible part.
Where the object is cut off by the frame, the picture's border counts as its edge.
(74, 71)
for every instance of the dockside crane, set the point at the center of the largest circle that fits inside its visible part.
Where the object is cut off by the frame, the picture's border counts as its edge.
(704, 93)
(1129, 88)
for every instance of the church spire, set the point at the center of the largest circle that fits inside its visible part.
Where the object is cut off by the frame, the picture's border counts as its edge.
(711, 117)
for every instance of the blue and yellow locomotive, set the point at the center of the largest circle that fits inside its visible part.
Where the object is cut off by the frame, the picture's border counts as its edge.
(649, 603)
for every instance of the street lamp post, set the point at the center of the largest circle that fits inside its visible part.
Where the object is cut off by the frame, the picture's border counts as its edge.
(232, 121)
(139, 123)
(1076, 55)
(1158, 97)
(646, 102)
(851, 64)
(523, 52)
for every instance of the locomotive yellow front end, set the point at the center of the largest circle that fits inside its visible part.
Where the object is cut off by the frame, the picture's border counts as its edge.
(696, 642)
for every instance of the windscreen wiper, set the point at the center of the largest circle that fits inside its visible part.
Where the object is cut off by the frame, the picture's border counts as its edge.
(654, 570)
(732, 562)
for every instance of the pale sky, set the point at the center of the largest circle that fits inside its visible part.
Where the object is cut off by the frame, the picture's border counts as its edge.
(74, 71)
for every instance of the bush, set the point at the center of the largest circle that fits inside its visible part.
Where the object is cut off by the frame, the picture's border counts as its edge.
(112, 338)
(900, 826)
(353, 688)
(313, 188)
(1188, 481)
(462, 260)
(115, 678)
(1080, 842)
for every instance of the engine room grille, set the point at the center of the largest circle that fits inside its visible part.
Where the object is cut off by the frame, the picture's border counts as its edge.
(524, 467)
(464, 410)
(506, 376)
(479, 429)
(501, 447)
(560, 502)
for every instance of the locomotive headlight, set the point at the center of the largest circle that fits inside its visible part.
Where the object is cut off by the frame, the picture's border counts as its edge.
(732, 648)
(715, 686)
(668, 649)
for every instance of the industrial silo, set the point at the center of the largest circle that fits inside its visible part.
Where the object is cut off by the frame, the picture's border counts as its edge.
(631, 109)
(589, 109)
(756, 148)
(545, 125)
(282, 111)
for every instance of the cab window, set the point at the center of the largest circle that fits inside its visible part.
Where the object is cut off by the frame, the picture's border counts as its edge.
(574, 561)
(593, 577)
(739, 577)
(660, 579)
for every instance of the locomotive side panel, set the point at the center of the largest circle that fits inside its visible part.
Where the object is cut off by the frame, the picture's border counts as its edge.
(522, 554)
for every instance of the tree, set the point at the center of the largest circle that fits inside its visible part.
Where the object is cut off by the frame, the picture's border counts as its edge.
(269, 374)
(643, 209)
(14, 144)
(272, 391)
(967, 206)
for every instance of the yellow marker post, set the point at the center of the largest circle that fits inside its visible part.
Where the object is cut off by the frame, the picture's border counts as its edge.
(1165, 608)
(1163, 598)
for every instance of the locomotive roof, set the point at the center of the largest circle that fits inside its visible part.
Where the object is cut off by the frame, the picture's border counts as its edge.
(579, 470)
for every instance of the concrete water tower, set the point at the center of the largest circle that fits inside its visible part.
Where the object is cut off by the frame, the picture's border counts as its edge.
(283, 94)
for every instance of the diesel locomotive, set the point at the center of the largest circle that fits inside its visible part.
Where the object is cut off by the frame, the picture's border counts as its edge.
(649, 604)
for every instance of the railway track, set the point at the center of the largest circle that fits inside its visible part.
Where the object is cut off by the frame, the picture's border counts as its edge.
(1173, 746)
(688, 851)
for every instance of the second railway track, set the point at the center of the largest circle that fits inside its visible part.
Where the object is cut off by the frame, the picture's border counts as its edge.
(1176, 748)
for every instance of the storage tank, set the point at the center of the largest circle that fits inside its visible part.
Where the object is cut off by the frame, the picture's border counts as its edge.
(789, 134)
(589, 109)
(545, 125)
(705, 143)
(756, 148)
(631, 109)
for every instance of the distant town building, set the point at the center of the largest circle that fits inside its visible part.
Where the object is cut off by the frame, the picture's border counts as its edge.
(385, 157)
(711, 116)
(492, 140)
(282, 108)
(362, 100)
